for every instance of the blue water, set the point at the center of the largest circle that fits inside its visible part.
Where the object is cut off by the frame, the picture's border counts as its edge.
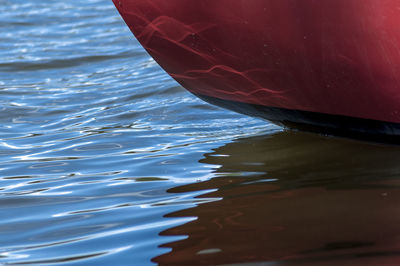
(93, 134)
(106, 160)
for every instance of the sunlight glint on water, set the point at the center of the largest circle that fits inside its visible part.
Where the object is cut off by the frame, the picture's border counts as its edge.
(93, 134)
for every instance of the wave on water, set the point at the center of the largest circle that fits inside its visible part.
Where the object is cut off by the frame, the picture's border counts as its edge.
(93, 135)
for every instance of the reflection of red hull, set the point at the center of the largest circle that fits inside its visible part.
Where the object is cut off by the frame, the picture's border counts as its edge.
(340, 58)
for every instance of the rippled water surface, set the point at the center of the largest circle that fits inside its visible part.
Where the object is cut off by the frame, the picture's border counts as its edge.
(105, 160)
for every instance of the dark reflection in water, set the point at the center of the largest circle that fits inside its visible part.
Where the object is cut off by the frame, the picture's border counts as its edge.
(294, 198)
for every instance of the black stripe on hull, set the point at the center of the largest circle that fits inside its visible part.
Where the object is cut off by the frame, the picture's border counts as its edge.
(359, 128)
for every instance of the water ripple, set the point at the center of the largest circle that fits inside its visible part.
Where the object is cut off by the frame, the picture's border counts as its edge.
(93, 135)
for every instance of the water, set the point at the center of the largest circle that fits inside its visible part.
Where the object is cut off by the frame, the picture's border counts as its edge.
(105, 160)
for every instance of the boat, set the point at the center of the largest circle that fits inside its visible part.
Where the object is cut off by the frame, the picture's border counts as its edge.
(331, 66)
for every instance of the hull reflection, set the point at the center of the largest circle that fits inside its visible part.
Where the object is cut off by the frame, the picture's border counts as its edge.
(294, 198)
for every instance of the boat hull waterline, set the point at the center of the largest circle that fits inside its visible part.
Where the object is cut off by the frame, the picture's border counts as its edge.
(330, 65)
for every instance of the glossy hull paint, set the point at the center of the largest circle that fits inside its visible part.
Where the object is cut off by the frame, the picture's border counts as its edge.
(335, 57)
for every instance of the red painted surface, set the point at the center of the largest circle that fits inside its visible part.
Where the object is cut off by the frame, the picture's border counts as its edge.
(337, 57)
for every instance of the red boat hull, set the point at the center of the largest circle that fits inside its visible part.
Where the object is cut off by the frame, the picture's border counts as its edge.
(330, 64)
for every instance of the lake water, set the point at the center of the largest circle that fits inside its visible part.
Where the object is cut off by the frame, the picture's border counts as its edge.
(105, 160)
